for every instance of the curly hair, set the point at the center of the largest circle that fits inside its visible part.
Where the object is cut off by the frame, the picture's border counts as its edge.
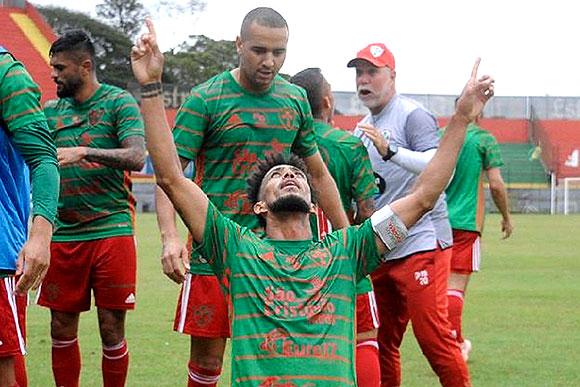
(254, 182)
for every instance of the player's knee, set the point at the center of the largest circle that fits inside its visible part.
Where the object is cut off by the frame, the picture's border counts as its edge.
(208, 361)
(63, 327)
(111, 335)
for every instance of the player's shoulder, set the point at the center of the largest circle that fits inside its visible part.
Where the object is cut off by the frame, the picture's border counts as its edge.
(412, 106)
(480, 133)
(288, 89)
(114, 92)
(213, 86)
(57, 104)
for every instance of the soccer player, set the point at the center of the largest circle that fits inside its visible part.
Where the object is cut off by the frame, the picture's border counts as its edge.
(225, 126)
(292, 298)
(98, 132)
(480, 155)
(411, 286)
(28, 156)
(348, 163)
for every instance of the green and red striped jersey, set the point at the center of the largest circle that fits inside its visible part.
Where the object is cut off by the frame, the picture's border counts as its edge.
(348, 162)
(226, 129)
(22, 109)
(95, 200)
(293, 302)
(349, 165)
(465, 195)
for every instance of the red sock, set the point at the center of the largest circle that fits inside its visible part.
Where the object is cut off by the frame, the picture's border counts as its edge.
(368, 371)
(20, 371)
(66, 361)
(202, 377)
(115, 363)
(455, 309)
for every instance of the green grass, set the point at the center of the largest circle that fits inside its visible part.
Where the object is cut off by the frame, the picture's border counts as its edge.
(522, 314)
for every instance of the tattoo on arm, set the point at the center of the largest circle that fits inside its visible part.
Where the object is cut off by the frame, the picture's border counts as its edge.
(131, 156)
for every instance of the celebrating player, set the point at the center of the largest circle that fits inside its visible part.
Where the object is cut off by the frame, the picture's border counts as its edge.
(292, 298)
(225, 126)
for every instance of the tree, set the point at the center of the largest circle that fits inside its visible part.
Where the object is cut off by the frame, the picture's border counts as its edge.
(193, 63)
(126, 15)
(112, 46)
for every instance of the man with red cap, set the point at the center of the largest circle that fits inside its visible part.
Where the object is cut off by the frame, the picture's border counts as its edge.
(401, 138)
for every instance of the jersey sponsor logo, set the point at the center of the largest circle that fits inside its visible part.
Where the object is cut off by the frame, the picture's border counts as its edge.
(130, 299)
(95, 116)
(282, 303)
(279, 342)
(422, 277)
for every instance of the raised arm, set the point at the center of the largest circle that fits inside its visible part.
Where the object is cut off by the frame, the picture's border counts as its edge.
(188, 199)
(434, 178)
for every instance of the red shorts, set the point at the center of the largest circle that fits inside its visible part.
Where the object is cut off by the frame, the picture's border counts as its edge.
(107, 266)
(12, 319)
(367, 315)
(202, 309)
(466, 252)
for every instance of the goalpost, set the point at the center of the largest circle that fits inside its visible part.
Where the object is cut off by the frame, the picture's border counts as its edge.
(569, 182)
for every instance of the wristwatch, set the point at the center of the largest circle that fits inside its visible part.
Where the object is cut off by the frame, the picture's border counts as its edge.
(391, 151)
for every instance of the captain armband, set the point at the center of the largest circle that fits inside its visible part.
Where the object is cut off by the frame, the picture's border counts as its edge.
(388, 227)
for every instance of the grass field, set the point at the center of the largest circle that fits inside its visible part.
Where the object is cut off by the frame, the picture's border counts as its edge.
(522, 315)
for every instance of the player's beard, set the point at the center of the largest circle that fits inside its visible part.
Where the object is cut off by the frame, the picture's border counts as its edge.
(69, 87)
(290, 203)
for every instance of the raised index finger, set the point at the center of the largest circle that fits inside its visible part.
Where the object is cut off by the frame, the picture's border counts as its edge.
(474, 70)
(150, 26)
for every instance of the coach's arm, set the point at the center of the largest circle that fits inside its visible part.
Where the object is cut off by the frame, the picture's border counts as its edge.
(435, 177)
(188, 199)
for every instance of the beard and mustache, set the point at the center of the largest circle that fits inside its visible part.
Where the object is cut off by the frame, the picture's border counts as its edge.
(68, 88)
(289, 203)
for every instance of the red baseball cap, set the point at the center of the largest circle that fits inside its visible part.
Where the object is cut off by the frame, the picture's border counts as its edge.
(377, 54)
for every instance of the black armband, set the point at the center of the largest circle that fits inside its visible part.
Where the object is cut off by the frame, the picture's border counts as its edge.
(151, 90)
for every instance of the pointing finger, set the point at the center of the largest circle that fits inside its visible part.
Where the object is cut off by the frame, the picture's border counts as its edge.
(150, 26)
(475, 68)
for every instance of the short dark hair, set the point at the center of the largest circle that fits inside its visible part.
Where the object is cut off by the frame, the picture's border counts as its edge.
(254, 181)
(264, 16)
(77, 42)
(312, 81)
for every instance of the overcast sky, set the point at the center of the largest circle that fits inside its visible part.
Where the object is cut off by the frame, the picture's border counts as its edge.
(530, 47)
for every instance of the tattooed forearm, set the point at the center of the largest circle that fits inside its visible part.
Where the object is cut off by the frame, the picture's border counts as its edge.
(130, 157)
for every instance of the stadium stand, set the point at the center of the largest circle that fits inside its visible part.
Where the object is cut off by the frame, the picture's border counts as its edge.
(25, 33)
